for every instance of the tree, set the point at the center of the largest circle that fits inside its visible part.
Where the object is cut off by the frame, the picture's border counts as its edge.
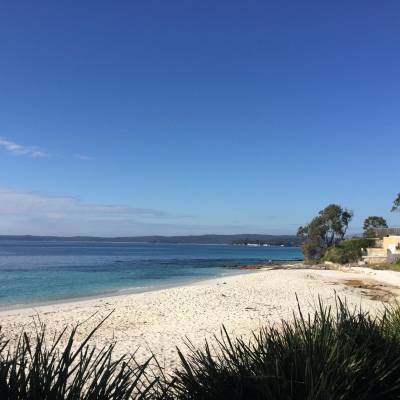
(396, 203)
(324, 231)
(373, 222)
(337, 221)
(314, 234)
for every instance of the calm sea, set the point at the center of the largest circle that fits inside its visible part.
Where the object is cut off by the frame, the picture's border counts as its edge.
(43, 271)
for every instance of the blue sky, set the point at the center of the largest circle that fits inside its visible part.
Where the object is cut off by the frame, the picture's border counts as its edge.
(190, 117)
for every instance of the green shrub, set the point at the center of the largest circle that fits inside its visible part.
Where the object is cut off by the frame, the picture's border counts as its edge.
(36, 370)
(339, 255)
(357, 243)
(343, 355)
(348, 251)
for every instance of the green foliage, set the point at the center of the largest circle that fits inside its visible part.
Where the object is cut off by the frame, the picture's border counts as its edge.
(324, 231)
(336, 220)
(333, 354)
(342, 355)
(357, 243)
(373, 222)
(348, 251)
(340, 256)
(36, 370)
(396, 203)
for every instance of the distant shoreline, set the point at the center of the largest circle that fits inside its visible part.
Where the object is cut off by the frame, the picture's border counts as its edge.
(209, 239)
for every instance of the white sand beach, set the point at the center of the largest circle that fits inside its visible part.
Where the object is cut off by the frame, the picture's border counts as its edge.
(161, 320)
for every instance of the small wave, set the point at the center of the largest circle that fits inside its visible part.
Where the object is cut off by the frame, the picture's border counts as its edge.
(134, 288)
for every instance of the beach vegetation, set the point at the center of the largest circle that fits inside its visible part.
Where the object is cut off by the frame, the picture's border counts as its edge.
(325, 230)
(35, 369)
(373, 222)
(339, 255)
(348, 251)
(335, 353)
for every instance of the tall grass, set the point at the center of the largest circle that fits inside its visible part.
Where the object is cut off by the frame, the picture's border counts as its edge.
(336, 353)
(332, 355)
(36, 370)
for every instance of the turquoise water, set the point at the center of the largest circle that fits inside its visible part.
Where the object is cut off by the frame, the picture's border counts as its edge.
(41, 271)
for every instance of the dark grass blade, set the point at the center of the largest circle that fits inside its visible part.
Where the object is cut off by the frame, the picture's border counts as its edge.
(328, 355)
(36, 371)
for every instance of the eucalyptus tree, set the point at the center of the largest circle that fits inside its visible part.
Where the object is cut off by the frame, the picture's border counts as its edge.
(373, 222)
(325, 230)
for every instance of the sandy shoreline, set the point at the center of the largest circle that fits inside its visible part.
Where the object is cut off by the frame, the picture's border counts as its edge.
(160, 320)
(118, 293)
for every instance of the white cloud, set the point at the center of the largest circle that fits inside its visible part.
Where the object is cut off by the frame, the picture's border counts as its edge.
(29, 213)
(83, 157)
(38, 214)
(18, 203)
(20, 150)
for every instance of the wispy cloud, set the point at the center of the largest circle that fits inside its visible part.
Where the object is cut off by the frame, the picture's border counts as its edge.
(20, 150)
(19, 203)
(24, 212)
(32, 151)
(83, 157)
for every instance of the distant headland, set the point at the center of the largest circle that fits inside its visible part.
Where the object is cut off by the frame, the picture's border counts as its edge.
(238, 239)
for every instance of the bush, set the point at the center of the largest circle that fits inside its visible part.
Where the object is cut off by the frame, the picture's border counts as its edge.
(343, 355)
(36, 370)
(339, 255)
(357, 243)
(348, 251)
(333, 354)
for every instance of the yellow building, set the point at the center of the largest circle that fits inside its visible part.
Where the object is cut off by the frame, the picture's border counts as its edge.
(386, 249)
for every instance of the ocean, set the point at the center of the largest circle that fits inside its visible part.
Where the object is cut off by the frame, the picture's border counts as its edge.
(35, 272)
